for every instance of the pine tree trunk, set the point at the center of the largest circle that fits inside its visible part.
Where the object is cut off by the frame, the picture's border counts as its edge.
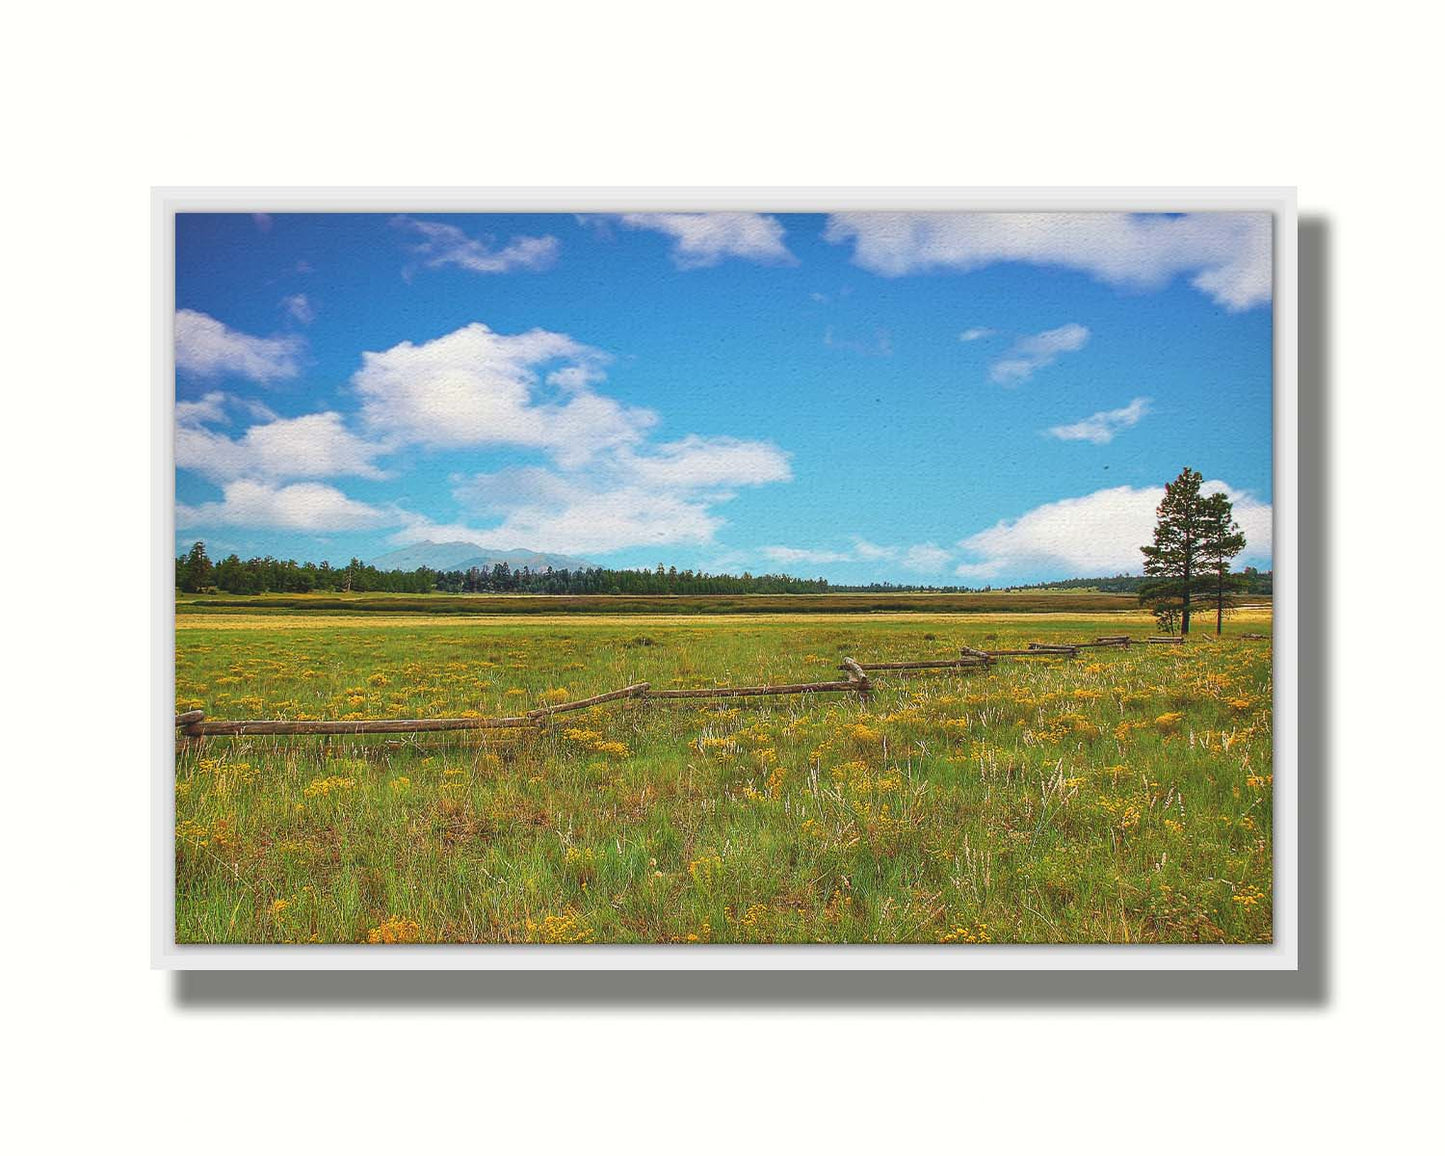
(1188, 579)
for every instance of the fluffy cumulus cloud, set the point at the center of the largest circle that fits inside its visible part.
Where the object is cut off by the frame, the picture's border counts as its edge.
(605, 486)
(666, 494)
(1227, 256)
(1101, 427)
(206, 347)
(1030, 354)
(476, 387)
(302, 506)
(316, 445)
(439, 245)
(700, 240)
(1098, 534)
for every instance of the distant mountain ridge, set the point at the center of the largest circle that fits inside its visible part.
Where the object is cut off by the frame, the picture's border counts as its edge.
(466, 555)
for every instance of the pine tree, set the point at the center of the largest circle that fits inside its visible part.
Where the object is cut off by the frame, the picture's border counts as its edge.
(195, 571)
(1173, 561)
(1220, 543)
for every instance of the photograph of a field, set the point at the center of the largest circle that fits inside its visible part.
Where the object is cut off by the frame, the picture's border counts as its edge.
(691, 578)
(1123, 796)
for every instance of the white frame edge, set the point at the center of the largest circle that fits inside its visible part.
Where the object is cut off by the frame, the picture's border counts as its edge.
(1281, 955)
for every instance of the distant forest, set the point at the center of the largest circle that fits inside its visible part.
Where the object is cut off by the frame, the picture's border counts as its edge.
(196, 573)
(1250, 580)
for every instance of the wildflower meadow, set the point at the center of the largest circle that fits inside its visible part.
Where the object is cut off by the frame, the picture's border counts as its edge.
(1123, 796)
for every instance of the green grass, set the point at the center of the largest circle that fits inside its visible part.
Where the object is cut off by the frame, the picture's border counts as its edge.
(1122, 796)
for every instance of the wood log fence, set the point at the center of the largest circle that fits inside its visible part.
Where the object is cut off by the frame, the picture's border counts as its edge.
(194, 724)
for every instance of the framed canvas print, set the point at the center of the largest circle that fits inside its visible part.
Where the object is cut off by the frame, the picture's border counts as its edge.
(699, 579)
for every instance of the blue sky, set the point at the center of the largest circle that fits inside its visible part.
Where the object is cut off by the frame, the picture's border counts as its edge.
(943, 398)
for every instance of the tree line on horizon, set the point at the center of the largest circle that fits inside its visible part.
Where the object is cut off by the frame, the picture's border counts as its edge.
(196, 573)
(1186, 568)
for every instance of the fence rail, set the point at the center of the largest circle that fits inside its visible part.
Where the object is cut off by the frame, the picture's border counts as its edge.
(194, 724)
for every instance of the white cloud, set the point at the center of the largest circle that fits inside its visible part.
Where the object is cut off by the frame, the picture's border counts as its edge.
(475, 387)
(793, 556)
(317, 445)
(977, 333)
(308, 506)
(299, 307)
(624, 498)
(443, 245)
(549, 512)
(697, 462)
(1096, 535)
(210, 408)
(870, 552)
(1101, 427)
(704, 239)
(574, 377)
(1030, 354)
(208, 348)
(1227, 256)
(924, 558)
(607, 488)
(927, 558)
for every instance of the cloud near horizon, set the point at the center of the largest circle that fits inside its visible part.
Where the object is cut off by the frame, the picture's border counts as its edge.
(304, 506)
(1096, 535)
(923, 558)
(316, 445)
(664, 494)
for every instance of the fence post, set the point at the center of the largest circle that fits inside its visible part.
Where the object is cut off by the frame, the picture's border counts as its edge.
(187, 720)
(858, 677)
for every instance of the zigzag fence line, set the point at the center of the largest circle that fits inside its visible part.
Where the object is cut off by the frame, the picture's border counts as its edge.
(194, 724)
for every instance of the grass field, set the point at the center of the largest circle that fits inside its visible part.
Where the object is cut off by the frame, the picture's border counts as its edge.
(1124, 796)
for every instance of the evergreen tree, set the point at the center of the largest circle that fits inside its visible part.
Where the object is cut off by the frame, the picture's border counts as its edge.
(1173, 561)
(1220, 543)
(195, 569)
